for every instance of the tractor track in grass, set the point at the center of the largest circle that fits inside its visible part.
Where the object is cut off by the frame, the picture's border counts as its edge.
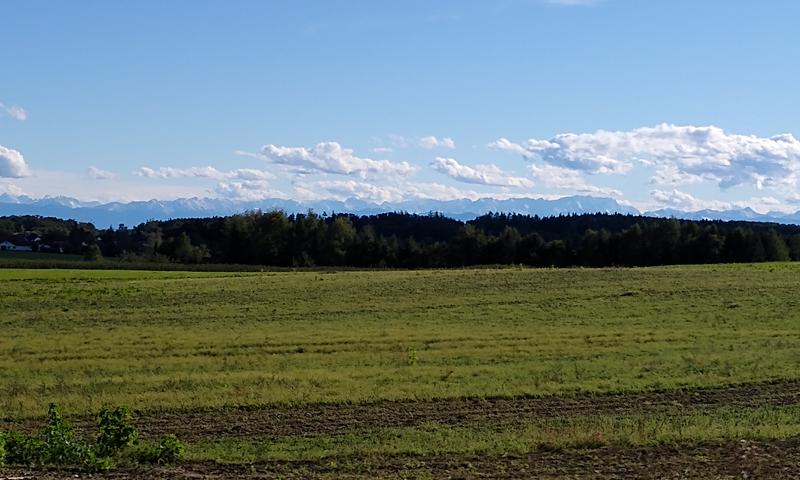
(281, 420)
(774, 459)
(335, 419)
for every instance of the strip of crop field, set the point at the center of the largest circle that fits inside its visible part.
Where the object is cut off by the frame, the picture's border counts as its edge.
(604, 447)
(174, 340)
(591, 431)
(249, 422)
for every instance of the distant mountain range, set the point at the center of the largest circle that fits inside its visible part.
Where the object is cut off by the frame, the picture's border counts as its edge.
(741, 214)
(134, 213)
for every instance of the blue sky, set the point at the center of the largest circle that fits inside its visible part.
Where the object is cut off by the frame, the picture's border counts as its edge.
(688, 104)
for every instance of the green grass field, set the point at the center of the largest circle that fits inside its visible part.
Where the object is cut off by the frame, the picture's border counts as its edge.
(179, 341)
(168, 340)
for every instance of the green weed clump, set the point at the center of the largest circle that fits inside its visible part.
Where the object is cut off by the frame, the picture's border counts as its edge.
(116, 432)
(166, 451)
(58, 445)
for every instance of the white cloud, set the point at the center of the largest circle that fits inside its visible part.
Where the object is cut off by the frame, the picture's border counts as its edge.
(347, 189)
(578, 152)
(100, 174)
(671, 175)
(678, 199)
(247, 190)
(330, 157)
(399, 141)
(13, 111)
(12, 164)
(439, 191)
(677, 152)
(10, 189)
(567, 179)
(248, 174)
(120, 189)
(689, 203)
(431, 142)
(239, 184)
(428, 142)
(480, 174)
(793, 198)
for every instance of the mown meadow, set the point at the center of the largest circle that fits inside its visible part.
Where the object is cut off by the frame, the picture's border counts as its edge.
(156, 340)
(190, 341)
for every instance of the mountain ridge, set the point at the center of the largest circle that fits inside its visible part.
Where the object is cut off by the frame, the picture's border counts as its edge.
(136, 212)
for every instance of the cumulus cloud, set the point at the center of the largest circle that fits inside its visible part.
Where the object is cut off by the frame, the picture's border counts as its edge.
(100, 174)
(567, 179)
(687, 202)
(439, 191)
(347, 189)
(428, 142)
(480, 174)
(676, 152)
(12, 164)
(678, 199)
(399, 141)
(248, 174)
(673, 176)
(330, 157)
(10, 189)
(123, 188)
(13, 111)
(568, 150)
(246, 189)
(240, 184)
(431, 142)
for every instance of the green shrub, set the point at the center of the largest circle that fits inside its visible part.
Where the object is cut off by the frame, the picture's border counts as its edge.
(23, 449)
(166, 451)
(116, 431)
(61, 445)
(58, 445)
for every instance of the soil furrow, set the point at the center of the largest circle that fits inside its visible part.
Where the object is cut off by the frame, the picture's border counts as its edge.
(776, 459)
(337, 419)
(239, 422)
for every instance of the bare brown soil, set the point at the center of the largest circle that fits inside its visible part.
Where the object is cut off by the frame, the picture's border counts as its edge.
(741, 460)
(254, 422)
(732, 460)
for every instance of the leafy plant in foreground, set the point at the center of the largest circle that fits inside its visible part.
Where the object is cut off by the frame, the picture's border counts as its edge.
(58, 444)
(166, 451)
(116, 431)
(22, 449)
(61, 445)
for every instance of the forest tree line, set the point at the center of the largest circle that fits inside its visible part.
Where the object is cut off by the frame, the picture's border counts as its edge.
(400, 240)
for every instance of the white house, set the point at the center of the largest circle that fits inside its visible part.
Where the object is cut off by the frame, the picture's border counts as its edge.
(7, 246)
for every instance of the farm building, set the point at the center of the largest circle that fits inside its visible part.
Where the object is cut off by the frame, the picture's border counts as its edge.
(7, 246)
